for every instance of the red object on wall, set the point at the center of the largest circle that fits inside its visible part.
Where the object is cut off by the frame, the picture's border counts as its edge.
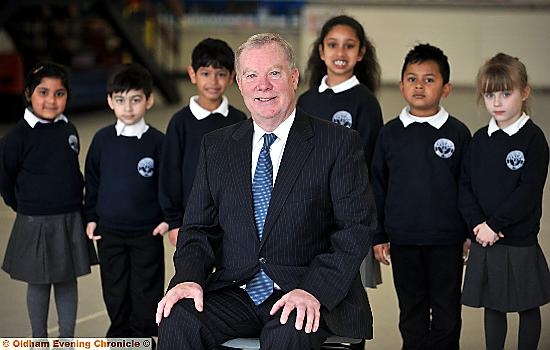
(11, 73)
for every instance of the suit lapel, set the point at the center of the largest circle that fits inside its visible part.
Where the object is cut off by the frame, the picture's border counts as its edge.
(240, 152)
(295, 155)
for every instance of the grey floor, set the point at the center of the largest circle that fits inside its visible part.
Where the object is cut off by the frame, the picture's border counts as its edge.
(92, 318)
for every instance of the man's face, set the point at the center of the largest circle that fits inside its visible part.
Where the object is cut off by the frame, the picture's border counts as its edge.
(267, 84)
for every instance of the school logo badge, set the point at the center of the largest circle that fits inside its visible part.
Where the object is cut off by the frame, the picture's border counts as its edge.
(444, 148)
(342, 118)
(146, 167)
(515, 160)
(73, 142)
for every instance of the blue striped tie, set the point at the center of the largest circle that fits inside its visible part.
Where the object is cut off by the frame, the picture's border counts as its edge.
(260, 287)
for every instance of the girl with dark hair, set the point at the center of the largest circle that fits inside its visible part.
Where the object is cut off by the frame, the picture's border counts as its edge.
(40, 180)
(343, 75)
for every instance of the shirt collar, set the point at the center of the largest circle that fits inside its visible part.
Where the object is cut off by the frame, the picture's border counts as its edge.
(133, 130)
(281, 131)
(32, 119)
(437, 120)
(343, 86)
(510, 129)
(201, 113)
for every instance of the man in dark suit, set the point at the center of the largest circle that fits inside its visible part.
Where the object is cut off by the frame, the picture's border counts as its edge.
(318, 223)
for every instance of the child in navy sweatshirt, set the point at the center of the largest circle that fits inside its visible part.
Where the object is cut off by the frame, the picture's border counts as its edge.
(40, 180)
(212, 70)
(122, 207)
(415, 172)
(501, 200)
(344, 74)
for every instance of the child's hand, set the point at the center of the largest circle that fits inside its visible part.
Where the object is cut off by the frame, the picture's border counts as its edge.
(466, 249)
(160, 229)
(173, 236)
(382, 253)
(90, 229)
(485, 235)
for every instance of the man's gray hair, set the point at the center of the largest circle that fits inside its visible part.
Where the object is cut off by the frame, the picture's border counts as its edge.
(259, 40)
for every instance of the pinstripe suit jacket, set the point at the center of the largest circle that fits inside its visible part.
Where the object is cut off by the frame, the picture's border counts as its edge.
(318, 228)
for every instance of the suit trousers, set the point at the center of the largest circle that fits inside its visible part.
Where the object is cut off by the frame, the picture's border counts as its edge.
(230, 313)
(132, 279)
(428, 282)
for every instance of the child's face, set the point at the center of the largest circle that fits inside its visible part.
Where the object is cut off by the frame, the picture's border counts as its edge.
(49, 98)
(130, 106)
(422, 87)
(340, 51)
(505, 106)
(211, 84)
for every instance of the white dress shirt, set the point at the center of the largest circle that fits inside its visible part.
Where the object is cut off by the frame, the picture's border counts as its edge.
(510, 129)
(32, 119)
(437, 120)
(201, 113)
(343, 86)
(133, 130)
(278, 146)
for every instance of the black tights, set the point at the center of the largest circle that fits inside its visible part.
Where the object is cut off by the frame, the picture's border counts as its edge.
(38, 303)
(496, 327)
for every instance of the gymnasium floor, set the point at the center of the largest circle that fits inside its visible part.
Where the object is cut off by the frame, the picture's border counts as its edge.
(92, 318)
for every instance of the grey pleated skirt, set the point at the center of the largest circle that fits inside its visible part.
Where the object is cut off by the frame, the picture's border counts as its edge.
(506, 278)
(370, 271)
(48, 249)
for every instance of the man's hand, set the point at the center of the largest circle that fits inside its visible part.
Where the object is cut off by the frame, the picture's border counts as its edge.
(307, 307)
(382, 253)
(90, 229)
(173, 236)
(180, 291)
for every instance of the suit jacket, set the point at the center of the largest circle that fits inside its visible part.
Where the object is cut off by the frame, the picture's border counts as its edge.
(318, 228)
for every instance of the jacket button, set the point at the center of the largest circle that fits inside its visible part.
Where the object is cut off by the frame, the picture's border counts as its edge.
(262, 260)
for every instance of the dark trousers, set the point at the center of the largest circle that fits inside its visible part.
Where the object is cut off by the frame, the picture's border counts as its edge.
(428, 282)
(132, 279)
(229, 313)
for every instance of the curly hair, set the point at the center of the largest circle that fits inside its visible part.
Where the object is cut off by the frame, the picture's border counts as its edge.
(367, 70)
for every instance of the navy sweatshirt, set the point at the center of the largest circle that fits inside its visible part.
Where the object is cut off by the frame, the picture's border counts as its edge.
(39, 169)
(122, 175)
(415, 173)
(356, 108)
(181, 154)
(503, 181)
